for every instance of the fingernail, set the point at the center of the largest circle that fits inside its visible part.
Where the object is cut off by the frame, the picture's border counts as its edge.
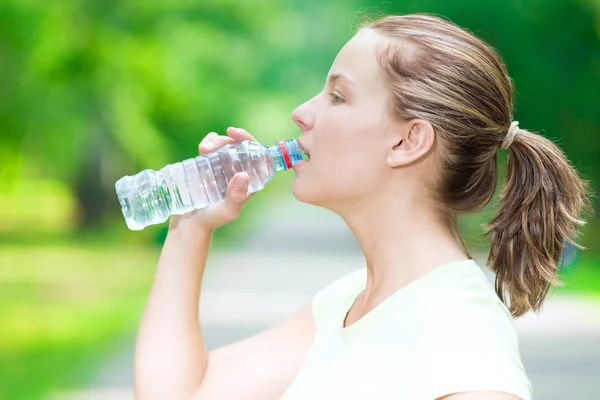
(209, 144)
(241, 183)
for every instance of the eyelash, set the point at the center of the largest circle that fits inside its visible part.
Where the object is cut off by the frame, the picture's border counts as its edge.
(335, 98)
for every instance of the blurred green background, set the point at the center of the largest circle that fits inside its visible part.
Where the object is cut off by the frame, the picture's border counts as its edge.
(95, 90)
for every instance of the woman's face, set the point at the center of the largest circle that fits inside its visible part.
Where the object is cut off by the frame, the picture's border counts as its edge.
(344, 129)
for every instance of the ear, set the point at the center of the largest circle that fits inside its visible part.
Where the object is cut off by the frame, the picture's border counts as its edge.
(410, 142)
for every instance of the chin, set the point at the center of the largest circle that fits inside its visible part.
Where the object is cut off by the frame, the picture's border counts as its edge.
(307, 193)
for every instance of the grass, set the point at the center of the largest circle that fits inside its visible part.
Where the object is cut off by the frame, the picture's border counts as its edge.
(67, 297)
(62, 306)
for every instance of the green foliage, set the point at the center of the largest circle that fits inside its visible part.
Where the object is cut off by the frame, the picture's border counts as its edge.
(95, 90)
(583, 278)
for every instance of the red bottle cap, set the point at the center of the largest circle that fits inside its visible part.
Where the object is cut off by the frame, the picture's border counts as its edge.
(286, 156)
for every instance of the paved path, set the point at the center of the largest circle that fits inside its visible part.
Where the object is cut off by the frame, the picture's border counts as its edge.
(281, 269)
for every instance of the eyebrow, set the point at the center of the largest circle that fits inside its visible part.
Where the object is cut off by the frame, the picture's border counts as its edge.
(334, 77)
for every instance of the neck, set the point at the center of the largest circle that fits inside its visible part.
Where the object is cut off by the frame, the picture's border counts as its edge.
(402, 239)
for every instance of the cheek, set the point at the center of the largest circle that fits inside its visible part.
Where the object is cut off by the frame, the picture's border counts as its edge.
(354, 173)
(346, 161)
(340, 176)
(349, 129)
(353, 154)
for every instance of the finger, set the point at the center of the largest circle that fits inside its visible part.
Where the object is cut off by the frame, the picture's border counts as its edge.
(237, 194)
(213, 141)
(209, 137)
(240, 134)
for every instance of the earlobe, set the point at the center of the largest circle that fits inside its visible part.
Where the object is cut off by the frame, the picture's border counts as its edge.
(417, 140)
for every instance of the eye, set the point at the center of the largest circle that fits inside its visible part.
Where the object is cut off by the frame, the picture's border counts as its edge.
(335, 98)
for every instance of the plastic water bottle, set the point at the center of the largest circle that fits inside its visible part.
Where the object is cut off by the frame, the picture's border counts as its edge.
(150, 197)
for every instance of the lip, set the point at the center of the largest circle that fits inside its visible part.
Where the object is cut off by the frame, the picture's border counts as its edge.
(299, 164)
(303, 148)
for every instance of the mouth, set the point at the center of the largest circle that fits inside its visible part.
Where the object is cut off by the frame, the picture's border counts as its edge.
(304, 149)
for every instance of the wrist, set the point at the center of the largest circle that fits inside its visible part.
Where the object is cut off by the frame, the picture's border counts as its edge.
(186, 226)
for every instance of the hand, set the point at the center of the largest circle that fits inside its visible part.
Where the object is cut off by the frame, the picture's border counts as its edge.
(211, 217)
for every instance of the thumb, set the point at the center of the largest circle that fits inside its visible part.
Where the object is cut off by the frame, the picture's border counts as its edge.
(237, 194)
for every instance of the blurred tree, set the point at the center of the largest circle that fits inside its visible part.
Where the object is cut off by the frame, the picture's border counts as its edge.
(95, 90)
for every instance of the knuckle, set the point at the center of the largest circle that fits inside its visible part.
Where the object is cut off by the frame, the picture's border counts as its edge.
(210, 136)
(207, 137)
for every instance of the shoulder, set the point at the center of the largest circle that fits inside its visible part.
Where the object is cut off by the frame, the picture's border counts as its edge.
(468, 318)
(468, 343)
(464, 297)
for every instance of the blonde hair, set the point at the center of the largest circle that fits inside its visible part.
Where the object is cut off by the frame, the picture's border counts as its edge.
(439, 72)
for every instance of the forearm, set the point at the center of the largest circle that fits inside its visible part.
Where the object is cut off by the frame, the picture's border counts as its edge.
(170, 355)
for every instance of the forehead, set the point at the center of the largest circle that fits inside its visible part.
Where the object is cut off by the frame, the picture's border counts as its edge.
(358, 59)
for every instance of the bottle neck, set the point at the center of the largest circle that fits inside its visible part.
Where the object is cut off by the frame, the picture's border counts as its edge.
(285, 154)
(278, 162)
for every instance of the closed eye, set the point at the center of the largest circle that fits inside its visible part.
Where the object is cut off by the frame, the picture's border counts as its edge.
(335, 99)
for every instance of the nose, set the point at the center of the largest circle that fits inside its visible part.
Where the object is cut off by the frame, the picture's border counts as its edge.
(303, 117)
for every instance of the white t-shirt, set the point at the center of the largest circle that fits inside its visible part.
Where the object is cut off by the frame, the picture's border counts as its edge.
(445, 332)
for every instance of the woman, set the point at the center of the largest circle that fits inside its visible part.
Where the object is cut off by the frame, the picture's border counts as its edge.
(403, 138)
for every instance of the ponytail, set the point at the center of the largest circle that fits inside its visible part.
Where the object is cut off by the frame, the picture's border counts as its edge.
(540, 211)
(437, 71)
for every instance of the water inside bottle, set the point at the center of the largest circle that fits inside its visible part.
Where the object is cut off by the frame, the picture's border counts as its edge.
(150, 197)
